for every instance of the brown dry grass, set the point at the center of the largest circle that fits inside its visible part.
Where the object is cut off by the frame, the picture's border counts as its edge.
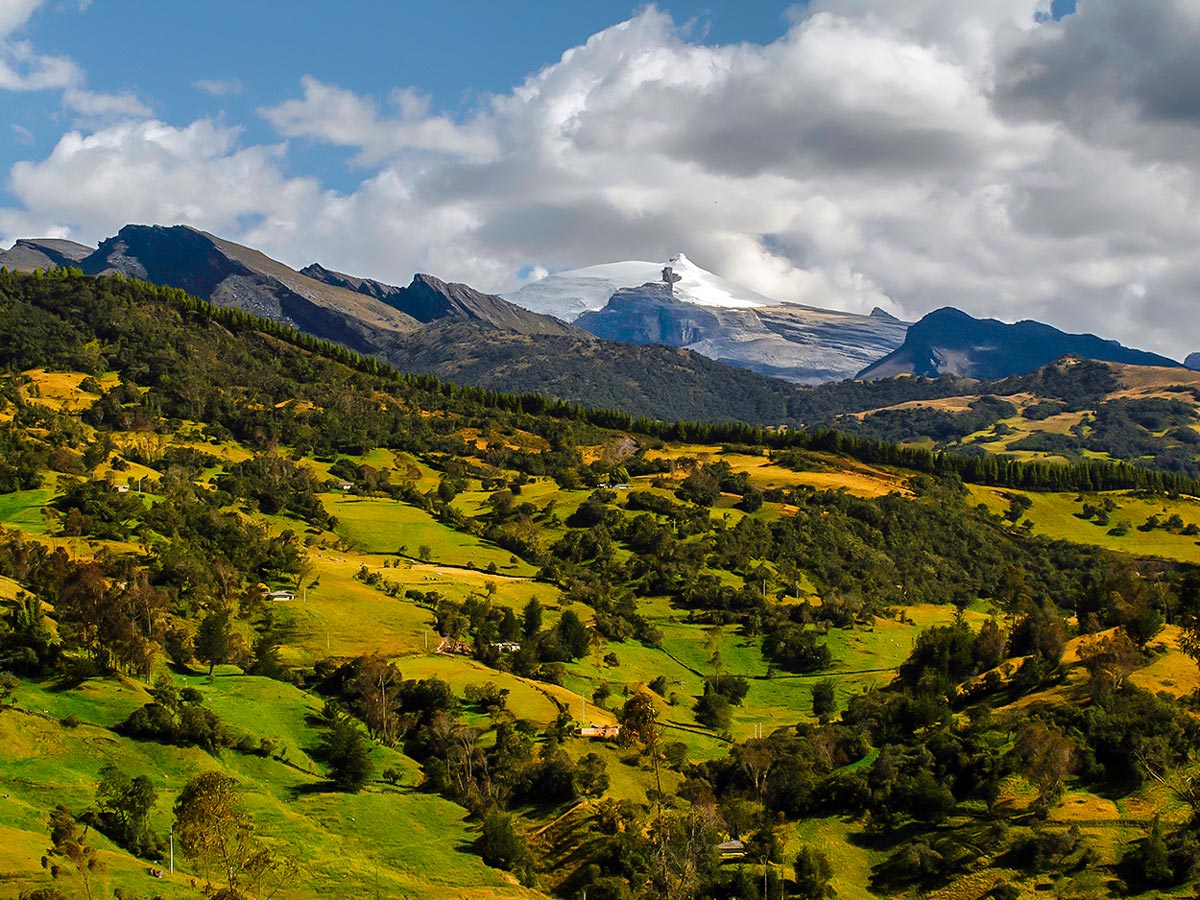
(1172, 671)
(57, 390)
(1142, 378)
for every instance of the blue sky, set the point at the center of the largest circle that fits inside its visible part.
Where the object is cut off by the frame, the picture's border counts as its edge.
(452, 51)
(1013, 158)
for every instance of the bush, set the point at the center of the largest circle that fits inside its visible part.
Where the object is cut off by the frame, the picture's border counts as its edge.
(499, 843)
(346, 753)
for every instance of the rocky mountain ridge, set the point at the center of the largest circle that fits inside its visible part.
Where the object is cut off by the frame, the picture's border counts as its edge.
(448, 330)
(679, 304)
(796, 343)
(949, 342)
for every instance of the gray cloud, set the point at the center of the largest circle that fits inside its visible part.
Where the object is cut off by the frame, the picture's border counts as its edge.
(1109, 52)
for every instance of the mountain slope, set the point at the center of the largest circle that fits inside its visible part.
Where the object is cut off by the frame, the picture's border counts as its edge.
(29, 254)
(682, 305)
(654, 381)
(428, 299)
(232, 275)
(950, 342)
(789, 341)
(242, 434)
(450, 330)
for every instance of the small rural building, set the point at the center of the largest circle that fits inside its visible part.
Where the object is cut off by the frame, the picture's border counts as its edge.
(600, 732)
(507, 646)
(452, 645)
(121, 488)
(731, 849)
(281, 596)
(345, 486)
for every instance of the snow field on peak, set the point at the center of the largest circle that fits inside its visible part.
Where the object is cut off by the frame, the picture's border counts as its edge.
(570, 294)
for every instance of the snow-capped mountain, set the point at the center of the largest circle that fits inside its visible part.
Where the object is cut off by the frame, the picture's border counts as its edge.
(568, 295)
(679, 304)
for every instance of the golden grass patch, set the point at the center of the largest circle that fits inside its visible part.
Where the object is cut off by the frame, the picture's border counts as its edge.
(1141, 378)
(1172, 671)
(57, 390)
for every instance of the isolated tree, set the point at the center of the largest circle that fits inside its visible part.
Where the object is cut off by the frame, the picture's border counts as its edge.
(639, 725)
(377, 683)
(991, 645)
(68, 842)
(824, 703)
(499, 843)
(213, 827)
(684, 847)
(217, 834)
(214, 640)
(813, 874)
(573, 635)
(347, 754)
(1109, 660)
(713, 710)
(124, 806)
(1046, 756)
(591, 776)
(1145, 621)
(532, 616)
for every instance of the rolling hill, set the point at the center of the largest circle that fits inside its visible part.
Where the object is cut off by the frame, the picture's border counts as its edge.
(820, 648)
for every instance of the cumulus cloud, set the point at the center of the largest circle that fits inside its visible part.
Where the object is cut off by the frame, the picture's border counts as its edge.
(340, 117)
(148, 171)
(974, 153)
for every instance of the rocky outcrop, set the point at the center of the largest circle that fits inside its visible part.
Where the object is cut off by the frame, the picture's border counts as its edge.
(428, 299)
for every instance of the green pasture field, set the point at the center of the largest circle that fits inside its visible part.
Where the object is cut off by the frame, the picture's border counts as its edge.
(1054, 515)
(378, 525)
(23, 510)
(414, 843)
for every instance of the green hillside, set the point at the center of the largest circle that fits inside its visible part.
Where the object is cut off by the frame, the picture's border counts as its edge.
(339, 629)
(1070, 411)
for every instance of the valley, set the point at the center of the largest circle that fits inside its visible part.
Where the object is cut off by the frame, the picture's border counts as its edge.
(808, 650)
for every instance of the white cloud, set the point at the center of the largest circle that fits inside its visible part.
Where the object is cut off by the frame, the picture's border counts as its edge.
(103, 107)
(147, 171)
(340, 117)
(15, 13)
(23, 68)
(218, 87)
(909, 155)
